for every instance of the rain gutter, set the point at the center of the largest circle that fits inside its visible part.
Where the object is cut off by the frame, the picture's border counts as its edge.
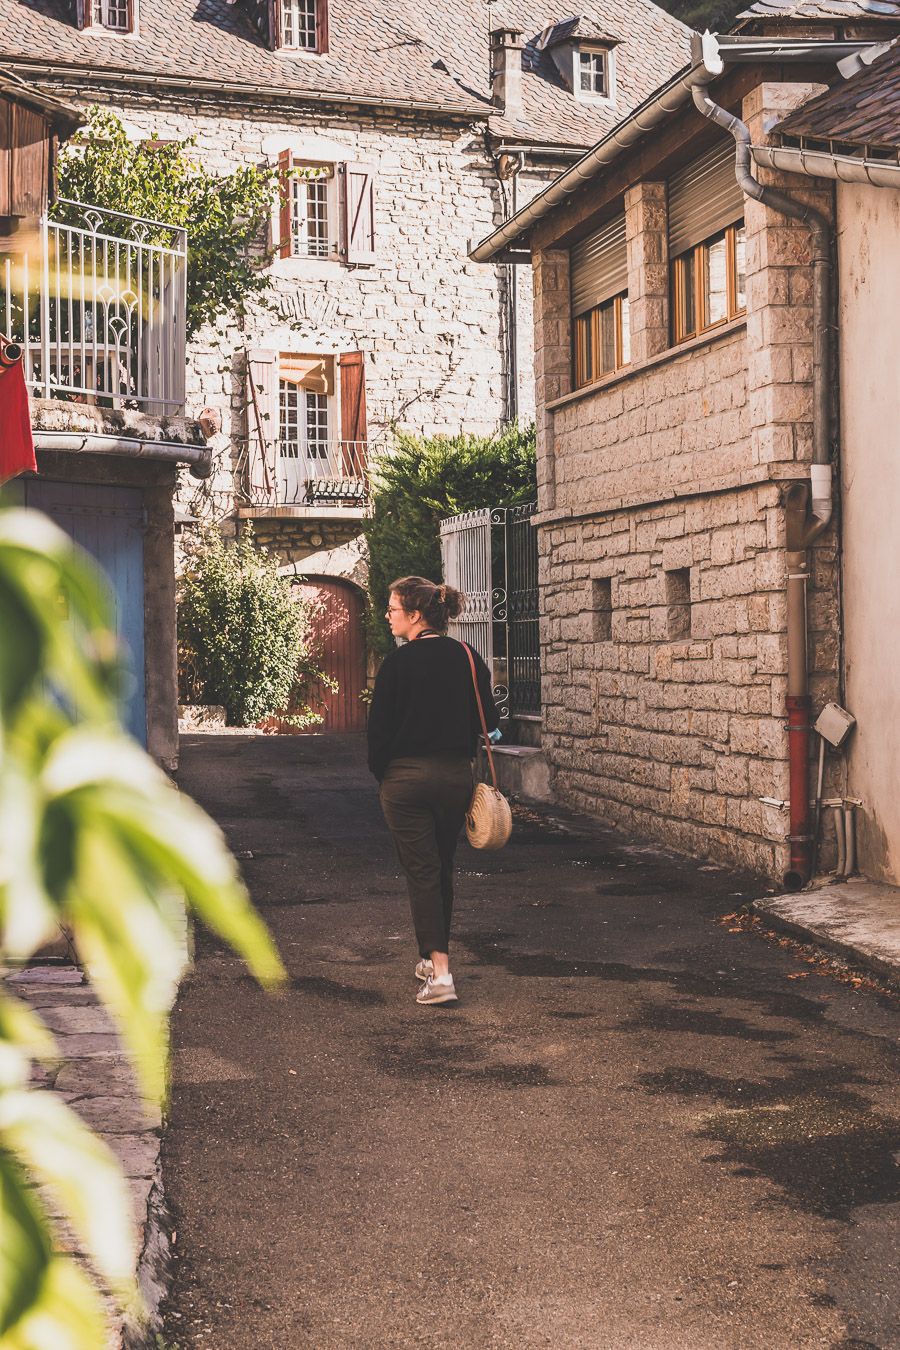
(824, 164)
(710, 59)
(198, 458)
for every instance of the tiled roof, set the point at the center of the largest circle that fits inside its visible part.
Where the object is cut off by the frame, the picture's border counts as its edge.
(577, 27)
(863, 111)
(833, 11)
(395, 51)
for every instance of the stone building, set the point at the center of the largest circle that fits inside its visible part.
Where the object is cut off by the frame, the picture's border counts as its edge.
(685, 380)
(400, 134)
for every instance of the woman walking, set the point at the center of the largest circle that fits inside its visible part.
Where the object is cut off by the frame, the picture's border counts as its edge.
(423, 730)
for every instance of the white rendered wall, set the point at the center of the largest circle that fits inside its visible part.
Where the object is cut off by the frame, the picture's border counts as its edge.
(869, 266)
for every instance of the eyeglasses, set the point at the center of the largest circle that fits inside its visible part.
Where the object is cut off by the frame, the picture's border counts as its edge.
(395, 609)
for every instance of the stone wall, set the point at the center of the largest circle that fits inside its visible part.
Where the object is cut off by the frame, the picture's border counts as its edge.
(429, 321)
(661, 537)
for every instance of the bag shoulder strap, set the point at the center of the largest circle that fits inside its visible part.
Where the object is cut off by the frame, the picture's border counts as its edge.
(484, 730)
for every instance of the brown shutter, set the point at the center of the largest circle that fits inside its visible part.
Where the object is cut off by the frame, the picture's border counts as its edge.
(321, 25)
(84, 13)
(353, 414)
(285, 187)
(356, 183)
(269, 22)
(598, 266)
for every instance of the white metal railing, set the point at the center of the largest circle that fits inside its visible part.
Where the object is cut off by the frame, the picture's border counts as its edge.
(304, 473)
(466, 558)
(97, 299)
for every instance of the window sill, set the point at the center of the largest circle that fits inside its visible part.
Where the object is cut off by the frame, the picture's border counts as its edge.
(307, 269)
(707, 339)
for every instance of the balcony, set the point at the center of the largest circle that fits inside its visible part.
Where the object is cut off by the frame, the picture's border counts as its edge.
(317, 479)
(97, 300)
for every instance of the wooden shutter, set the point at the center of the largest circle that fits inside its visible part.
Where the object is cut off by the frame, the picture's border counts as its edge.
(356, 185)
(285, 188)
(84, 13)
(353, 414)
(703, 198)
(321, 26)
(262, 418)
(599, 266)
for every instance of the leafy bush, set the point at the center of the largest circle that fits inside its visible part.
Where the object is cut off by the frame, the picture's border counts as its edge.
(223, 214)
(94, 838)
(424, 480)
(247, 637)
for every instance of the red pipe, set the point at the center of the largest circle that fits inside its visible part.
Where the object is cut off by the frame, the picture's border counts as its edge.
(800, 837)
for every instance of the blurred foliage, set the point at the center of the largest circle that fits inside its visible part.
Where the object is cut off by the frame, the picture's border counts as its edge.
(224, 214)
(245, 636)
(96, 840)
(422, 480)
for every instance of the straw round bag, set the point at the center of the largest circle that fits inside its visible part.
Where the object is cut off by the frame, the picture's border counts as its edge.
(489, 818)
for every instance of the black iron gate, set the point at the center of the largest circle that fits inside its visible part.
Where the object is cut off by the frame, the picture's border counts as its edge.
(523, 645)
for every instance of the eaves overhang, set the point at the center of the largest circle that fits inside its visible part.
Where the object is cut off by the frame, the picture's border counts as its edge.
(219, 90)
(508, 243)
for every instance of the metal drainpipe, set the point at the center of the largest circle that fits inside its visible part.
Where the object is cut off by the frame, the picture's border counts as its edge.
(803, 522)
(513, 293)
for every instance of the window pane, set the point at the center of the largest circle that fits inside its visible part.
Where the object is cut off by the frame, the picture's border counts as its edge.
(716, 280)
(289, 419)
(626, 332)
(309, 212)
(298, 24)
(740, 266)
(687, 309)
(592, 72)
(583, 349)
(317, 424)
(608, 337)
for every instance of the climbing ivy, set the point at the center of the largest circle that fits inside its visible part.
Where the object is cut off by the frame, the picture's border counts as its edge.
(166, 181)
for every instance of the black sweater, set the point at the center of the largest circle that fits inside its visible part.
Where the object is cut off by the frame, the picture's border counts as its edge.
(424, 703)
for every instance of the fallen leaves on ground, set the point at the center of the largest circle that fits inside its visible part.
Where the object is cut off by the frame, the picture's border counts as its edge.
(822, 963)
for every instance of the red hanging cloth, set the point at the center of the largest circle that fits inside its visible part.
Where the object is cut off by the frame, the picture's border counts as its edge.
(16, 441)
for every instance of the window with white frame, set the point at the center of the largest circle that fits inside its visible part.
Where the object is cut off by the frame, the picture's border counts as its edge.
(298, 25)
(305, 394)
(592, 73)
(112, 14)
(310, 188)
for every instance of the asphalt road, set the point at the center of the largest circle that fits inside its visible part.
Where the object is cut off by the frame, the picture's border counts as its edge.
(635, 1130)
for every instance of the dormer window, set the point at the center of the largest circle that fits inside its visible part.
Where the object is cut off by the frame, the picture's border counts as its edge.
(298, 24)
(107, 16)
(112, 14)
(302, 25)
(592, 74)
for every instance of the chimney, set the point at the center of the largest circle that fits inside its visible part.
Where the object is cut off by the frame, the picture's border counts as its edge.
(506, 70)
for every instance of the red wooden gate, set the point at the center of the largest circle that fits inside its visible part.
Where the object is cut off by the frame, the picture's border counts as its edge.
(338, 636)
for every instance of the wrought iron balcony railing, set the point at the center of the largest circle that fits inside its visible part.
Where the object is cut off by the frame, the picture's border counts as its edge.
(309, 474)
(97, 299)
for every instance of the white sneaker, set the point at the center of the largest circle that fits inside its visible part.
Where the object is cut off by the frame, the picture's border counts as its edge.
(437, 991)
(424, 969)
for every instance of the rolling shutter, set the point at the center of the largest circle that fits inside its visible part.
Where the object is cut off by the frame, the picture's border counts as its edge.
(703, 198)
(598, 266)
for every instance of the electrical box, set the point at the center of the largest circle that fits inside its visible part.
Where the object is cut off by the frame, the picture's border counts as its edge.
(834, 724)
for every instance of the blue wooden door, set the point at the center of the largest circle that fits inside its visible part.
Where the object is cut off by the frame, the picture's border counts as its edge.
(108, 523)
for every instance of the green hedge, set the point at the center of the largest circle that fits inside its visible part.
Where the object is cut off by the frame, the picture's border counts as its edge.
(423, 480)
